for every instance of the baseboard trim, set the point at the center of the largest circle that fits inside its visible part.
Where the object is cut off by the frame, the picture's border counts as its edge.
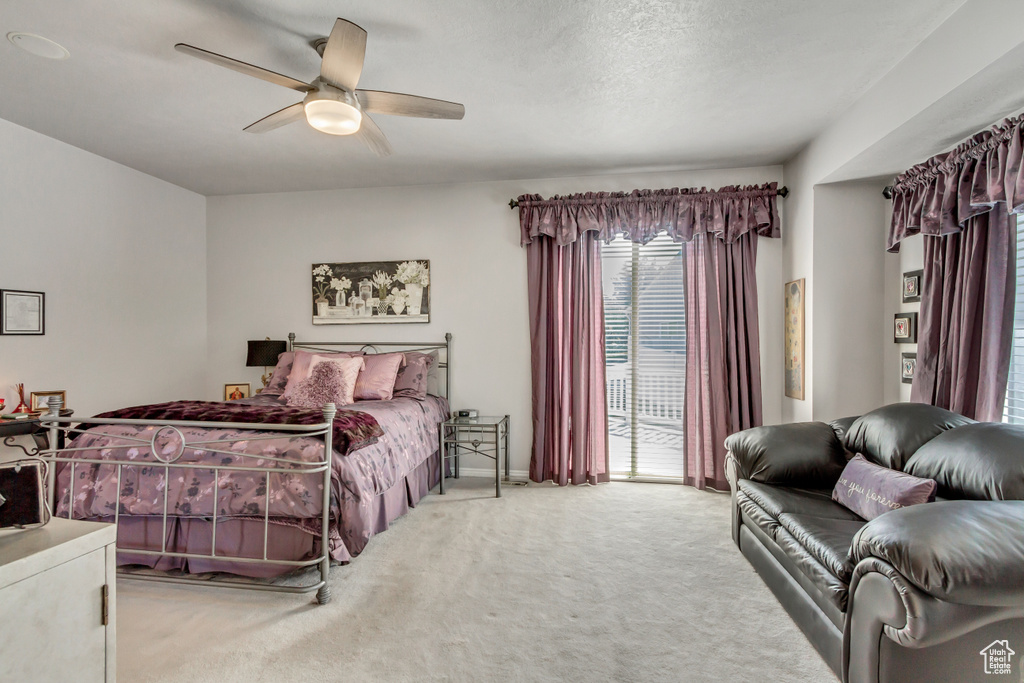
(488, 473)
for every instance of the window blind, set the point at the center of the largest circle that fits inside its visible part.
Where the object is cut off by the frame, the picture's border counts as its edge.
(645, 347)
(1014, 409)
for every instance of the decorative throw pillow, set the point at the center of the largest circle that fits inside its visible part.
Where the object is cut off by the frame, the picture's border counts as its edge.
(870, 490)
(412, 379)
(377, 380)
(328, 382)
(302, 366)
(279, 378)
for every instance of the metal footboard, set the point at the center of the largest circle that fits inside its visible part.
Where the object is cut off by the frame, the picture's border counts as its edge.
(168, 430)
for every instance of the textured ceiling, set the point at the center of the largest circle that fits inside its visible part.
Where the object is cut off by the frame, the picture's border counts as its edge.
(551, 87)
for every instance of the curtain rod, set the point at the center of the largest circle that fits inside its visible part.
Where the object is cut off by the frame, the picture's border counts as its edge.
(887, 191)
(782, 192)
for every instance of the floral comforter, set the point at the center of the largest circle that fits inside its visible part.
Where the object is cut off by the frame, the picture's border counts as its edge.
(407, 436)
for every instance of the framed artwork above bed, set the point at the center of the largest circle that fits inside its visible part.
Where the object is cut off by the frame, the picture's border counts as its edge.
(371, 292)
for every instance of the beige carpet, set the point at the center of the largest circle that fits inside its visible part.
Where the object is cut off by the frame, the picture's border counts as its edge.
(620, 582)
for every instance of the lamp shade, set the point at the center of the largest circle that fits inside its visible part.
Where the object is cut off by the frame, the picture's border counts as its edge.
(264, 352)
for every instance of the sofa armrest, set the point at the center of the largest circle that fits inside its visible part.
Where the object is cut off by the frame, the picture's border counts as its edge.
(960, 551)
(797, 454)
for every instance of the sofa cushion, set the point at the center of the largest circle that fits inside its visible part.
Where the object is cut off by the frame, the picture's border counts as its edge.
(891, 434)
(963, 551)
(828, 540)
(776, 500)
(982, 461)
(842, 425)
(795, 454)
(834, 589)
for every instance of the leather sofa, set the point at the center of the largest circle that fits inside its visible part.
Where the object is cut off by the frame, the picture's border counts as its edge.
(930, 592)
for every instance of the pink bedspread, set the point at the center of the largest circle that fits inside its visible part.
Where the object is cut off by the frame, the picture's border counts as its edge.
(410, 433)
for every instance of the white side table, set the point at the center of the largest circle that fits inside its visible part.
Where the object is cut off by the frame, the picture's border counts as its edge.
(57, 603)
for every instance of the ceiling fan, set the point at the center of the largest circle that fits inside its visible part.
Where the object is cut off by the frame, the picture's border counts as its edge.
(332, 104)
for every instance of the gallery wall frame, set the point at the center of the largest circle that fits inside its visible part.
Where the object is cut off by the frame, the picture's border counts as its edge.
(904, 328)
(22, 312)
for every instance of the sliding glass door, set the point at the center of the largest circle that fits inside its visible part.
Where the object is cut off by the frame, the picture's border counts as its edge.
(1014, 410)
(645, 342)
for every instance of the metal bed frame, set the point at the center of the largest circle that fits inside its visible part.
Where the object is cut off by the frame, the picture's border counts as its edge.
(57, 426)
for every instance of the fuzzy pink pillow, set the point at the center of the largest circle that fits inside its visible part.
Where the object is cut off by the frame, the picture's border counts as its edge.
(331, 381)
(302, 366)
(377, 380)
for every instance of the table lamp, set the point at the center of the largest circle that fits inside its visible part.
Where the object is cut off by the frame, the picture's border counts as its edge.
(264, 352)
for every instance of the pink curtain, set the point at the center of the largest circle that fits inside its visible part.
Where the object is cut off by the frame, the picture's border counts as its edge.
(562, 236)
(723, 364)
(570, 414)
(960, 202)
(966, 330)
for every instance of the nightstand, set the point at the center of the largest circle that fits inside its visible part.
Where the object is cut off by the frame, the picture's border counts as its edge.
(31, 426)
(486, 436)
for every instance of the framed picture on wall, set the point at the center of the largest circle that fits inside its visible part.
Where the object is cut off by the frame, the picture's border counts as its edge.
(371, 292)
(904, 328)
(22, 312)
(908, 367)
(912, 282)
(794, 341)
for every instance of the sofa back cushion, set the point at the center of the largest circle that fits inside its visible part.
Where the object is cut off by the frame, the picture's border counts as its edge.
(982, 461)
(889, 435)
(871, 490)
(795, 454)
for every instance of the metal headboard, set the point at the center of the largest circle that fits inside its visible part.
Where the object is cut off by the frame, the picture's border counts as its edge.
(444, 359)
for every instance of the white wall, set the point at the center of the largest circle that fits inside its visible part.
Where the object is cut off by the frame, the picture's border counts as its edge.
(949, 86)
(850, 287)
(121, 257)
(261, 247)
(910, 257)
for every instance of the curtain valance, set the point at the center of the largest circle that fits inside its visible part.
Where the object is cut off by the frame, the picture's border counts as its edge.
(640, 215)
(940, 195)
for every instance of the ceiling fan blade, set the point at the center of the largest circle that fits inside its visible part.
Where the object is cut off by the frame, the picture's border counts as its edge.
(243, 67)
(373, 136)
(281, 117)
(399, 104)
(343, 55)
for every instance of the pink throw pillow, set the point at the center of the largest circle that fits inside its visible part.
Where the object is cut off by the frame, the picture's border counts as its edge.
(412, 379)
(330, 381)
(301, 368)
(279, 378)
(377, 380)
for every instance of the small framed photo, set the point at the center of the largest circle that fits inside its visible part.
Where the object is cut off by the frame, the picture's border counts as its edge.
(233, 392)
(904, 328)
(908, 367)
(40, 400)
(912, 286)
(22, 312)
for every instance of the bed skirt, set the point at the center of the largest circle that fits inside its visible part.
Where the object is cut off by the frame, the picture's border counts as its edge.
(244, 537)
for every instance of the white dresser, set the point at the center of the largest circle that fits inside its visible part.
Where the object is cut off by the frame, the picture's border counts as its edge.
(57, 603)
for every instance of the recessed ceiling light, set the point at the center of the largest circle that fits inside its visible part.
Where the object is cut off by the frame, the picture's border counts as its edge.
(37, 45)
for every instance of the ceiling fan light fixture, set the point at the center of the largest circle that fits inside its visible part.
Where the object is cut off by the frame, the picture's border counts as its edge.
(332, 111)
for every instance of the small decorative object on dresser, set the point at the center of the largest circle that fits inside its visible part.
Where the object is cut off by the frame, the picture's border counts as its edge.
(39, 400)
(22, 312)
(909, 367)
(371, 292)
(904, 330)
(912, 286)
(264, 352)
(21, 407)
(233, 392)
